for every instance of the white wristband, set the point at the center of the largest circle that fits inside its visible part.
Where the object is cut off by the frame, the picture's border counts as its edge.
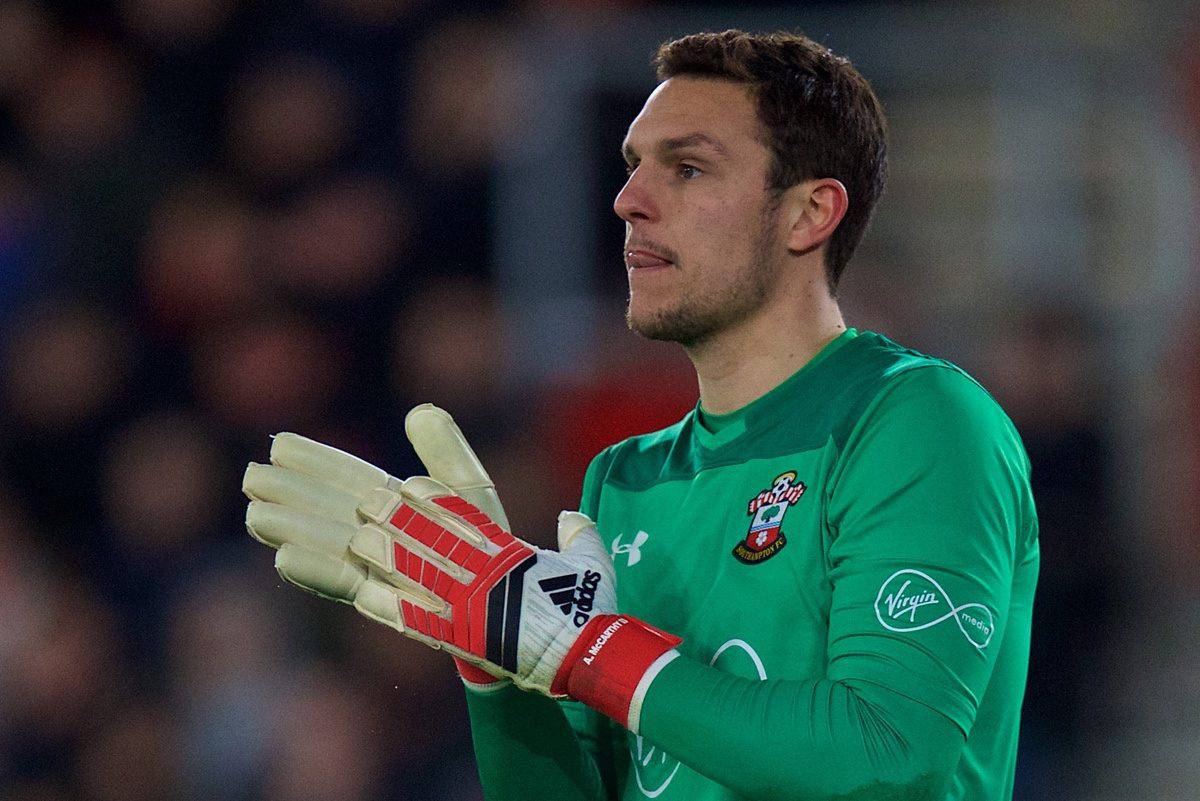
(635, 705)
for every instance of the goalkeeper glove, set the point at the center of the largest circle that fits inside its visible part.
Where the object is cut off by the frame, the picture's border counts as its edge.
(305, 504)
(433, 559)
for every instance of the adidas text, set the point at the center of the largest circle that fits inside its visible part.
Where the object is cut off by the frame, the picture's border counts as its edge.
(584, 597)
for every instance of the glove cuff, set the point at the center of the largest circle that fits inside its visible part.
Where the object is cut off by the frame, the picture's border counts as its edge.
(477, 678)
(611, 664)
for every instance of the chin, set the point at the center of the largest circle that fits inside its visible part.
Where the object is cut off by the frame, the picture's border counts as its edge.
(641, 317)
(663, 325)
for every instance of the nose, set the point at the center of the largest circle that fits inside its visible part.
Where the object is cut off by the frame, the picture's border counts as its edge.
(633, 202)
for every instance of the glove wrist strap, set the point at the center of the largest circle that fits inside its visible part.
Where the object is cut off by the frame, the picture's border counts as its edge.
(606, 666)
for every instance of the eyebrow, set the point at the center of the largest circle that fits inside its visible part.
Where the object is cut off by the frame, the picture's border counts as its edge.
(695, 139)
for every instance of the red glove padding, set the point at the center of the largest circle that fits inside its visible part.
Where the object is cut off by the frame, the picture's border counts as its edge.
(475, 676)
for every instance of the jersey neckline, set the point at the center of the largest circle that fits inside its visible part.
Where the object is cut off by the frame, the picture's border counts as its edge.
(715, 430)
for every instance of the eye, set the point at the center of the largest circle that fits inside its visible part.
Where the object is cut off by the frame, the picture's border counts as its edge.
(629, 168)
(688, 171)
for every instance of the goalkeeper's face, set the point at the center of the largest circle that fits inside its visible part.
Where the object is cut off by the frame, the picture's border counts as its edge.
(703, 249)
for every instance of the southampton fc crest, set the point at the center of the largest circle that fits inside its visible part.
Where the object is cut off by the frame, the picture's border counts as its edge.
(767, 510)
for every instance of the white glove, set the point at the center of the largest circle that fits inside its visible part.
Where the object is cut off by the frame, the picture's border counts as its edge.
(434, 560)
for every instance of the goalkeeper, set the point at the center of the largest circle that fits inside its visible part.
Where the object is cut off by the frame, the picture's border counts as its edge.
(817, 585)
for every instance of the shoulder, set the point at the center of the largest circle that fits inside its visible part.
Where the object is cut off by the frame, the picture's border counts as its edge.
(638, 459)
(925, 410)
(901, 386)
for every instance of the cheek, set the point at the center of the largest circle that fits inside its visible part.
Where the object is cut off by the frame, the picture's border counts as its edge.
(721, 232)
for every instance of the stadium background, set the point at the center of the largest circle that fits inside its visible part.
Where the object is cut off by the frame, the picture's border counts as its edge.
(224, 218)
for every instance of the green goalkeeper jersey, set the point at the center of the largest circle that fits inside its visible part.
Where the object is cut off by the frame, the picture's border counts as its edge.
(850, 561)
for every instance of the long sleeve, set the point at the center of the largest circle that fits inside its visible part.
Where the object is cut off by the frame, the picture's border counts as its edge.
(526, 749)
(927, 513)
(799, 739)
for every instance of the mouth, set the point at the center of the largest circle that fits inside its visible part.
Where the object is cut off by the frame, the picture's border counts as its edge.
(642, 259)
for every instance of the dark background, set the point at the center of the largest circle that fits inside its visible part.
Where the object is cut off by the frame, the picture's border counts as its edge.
(223, 219)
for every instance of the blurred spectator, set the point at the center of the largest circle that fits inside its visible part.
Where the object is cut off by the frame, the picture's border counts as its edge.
(330, 742)
(135, 757)
(196, 258)
(230, 657)
(160, 486)
(98, 170)
(268, 373)
(188, 51)
(450, 347)
(24, 615)
(336, 241)
(161, 506)
(426, 739)
(65, 674)
(63, 380)
(532, 485)
(84, 103)
(27, 45)
(65, 366)
(883, 291)
(466, 92)
(1042, 370)
(289, 116)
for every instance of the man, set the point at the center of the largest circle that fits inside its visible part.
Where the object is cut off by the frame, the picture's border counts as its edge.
(824, 574)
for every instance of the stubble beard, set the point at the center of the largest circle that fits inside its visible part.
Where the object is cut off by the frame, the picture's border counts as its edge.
(706, 310)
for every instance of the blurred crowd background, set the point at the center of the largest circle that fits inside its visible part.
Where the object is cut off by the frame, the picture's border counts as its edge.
(220, 219)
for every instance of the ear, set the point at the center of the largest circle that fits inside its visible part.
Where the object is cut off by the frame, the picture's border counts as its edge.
(815, 207)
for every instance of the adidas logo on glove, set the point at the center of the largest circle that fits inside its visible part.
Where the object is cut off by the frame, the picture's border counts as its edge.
(565, 595)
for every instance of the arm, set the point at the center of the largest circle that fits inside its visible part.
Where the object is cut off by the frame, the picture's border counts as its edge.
(525, 748)
(932, 479)
(529, 746)
(803, 739)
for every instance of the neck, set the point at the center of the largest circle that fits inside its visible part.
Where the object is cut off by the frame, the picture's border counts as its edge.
(745, 362)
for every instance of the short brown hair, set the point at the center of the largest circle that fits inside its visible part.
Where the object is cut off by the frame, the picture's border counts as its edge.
(821, 117)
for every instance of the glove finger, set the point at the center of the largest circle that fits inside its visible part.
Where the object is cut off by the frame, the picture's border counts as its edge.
(431, 506)
(578, 534)
(579, 537)
(301, 492)
(276, 525)
(382, 602)
(326, 464)
(444, 451)
(405, 564)
(320, 573)
(375, 600)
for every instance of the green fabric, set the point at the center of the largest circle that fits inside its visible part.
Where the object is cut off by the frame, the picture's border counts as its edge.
(880, 650)
(524, 747)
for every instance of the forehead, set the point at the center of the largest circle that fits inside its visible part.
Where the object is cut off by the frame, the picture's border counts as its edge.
(684, 104)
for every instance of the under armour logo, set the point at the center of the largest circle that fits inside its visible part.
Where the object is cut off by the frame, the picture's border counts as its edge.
(633, 549)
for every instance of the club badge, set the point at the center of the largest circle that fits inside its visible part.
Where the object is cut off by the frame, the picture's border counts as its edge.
(767, 510)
